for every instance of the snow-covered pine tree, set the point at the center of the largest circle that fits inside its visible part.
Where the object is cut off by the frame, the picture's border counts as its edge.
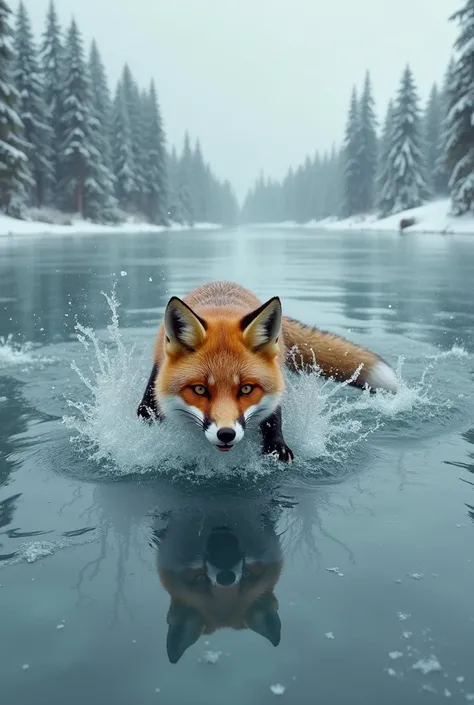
(79, 159)
(122, 151)
(367, 147)
(432, 122)
(32, 109)
(200, 185)
(174, 206)
(406, 167)
(385, 197)
(459, 147)
(441, 172)
(52, 62)
(330, 185)
(185, 194)
(352, 174)
(317, 187)
(288, 195)
(14, 172)
(133, 106)
(154, 152)
(100, 188)
(229, 205)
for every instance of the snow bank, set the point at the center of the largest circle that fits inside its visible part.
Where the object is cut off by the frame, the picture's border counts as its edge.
(433, 217)
(13, 227)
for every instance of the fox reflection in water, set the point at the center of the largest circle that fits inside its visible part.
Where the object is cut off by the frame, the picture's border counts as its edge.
(220, 565)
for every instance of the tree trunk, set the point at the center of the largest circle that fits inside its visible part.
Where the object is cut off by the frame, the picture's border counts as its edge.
(80, 197)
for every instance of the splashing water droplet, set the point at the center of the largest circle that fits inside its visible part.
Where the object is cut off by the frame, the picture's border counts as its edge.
(321, 421)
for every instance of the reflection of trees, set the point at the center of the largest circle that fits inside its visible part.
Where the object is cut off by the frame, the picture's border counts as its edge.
(427, 287)
(51, 281)
(469, 438)
(136, 517)
(14, 417)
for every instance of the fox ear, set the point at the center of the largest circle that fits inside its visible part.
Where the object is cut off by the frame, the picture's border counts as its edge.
(185, 627)
(184, 329)
(261, 328)
(263, 619)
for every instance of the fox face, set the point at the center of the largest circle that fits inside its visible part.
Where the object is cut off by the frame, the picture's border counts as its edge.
(222, 370)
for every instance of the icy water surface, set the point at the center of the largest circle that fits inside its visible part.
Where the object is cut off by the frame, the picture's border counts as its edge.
(355, 565)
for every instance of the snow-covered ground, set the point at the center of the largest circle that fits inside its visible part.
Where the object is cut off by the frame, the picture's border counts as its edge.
(13, 227)
(433, 217)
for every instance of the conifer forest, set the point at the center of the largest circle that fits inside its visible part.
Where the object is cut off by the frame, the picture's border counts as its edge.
(70, 143)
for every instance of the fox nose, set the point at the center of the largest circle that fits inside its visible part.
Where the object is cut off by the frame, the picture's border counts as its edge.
(226, 435)
(226, 578)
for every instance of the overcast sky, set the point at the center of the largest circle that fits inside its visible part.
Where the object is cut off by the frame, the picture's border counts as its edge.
(263, 82)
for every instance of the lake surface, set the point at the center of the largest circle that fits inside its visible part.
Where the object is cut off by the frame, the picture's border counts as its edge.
(360, 555)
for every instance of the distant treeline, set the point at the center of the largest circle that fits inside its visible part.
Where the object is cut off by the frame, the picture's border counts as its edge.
(418, 154)
(67, 144)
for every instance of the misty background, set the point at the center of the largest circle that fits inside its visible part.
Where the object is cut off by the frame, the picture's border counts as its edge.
(262, 83)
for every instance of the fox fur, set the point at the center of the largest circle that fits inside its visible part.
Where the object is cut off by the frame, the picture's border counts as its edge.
(219, 357)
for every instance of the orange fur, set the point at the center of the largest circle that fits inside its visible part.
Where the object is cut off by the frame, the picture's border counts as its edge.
(221, 305)
(219, 359)
(336, 357)
(223, 361)
(222, 607)
(220, 564)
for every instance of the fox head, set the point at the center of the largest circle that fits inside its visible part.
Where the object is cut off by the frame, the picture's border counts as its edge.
(221, 371)
(221, 585)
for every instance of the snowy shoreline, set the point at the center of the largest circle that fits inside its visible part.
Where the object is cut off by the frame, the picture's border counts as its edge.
(12, 227)
(433, 218)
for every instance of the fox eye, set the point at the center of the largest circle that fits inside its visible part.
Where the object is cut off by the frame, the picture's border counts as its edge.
(200, 579)
(200, 390)
(246, 389)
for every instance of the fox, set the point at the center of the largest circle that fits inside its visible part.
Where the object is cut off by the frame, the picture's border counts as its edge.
(219, 360)
(220, 565)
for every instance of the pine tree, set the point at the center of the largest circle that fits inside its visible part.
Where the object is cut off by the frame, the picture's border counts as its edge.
(352, 174)
(441, 172)
(229, 208)
(154, 151)
(432, 136)
(79, 161)
(133, 106)
(384, 183)
(14, 172)
(405, 159)
(200, 185)
(367, 148)
(32, 109)
(459, 148)
(174, 206)
(100, 197)
(123, 157)
(185, 195)
(330, 186)
(52, 61)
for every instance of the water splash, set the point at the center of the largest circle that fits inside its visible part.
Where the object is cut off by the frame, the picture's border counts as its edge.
(13, 353)
(322, 420)
(38, 550)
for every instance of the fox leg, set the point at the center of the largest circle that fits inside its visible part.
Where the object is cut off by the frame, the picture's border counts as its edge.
(272, 437)
(148, 408)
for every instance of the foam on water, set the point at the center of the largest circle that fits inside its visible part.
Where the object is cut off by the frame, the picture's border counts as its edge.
(322, 420)
(13, 353)
(37, 550)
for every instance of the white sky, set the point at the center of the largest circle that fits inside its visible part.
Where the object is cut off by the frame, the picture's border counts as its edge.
(263, 82)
